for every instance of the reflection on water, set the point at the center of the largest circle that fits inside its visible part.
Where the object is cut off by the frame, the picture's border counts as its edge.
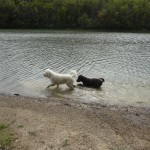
(122, 59)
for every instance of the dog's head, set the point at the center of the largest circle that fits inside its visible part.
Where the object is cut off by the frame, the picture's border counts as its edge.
(47, 73)
(80, 77)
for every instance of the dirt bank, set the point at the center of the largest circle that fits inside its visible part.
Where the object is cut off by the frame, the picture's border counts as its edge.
(56, 124)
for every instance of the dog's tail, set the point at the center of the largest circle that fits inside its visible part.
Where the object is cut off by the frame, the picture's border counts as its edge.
(102, 80)
(73, 73)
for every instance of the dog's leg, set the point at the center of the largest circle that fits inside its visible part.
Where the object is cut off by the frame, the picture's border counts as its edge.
(70, 86)
(57, 85)
(50, 85)
(80, 84)
(74, 85)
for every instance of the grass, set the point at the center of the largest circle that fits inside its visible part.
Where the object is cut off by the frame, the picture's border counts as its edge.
(2, 126)
(5, 140)
(32, 133)
(121, 147)
(6, 137)
(65, 143)
(20, 126)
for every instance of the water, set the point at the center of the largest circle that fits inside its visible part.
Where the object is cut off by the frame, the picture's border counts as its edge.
(122, 59)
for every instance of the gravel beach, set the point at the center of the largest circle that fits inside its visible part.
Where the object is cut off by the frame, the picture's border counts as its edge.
(63, 124)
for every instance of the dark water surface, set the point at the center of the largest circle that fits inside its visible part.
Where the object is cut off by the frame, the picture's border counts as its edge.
(122, 59)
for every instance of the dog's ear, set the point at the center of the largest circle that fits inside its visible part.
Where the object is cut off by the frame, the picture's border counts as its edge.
(46, 70)
(49, 74)
(80, 76)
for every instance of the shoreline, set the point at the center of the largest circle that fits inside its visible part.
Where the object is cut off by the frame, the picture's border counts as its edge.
(72, 101)
(66, 124)
(79, 29)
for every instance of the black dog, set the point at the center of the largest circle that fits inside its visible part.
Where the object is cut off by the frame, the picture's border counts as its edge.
(90, 82)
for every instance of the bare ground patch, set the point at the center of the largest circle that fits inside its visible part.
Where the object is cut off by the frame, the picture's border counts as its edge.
(53, 124)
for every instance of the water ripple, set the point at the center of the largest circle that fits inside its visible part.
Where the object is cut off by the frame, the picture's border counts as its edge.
(123, 59)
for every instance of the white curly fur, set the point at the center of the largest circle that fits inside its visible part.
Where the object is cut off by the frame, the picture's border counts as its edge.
(57, 78)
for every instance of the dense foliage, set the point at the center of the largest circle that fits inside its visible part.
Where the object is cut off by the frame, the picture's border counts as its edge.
(87, 14)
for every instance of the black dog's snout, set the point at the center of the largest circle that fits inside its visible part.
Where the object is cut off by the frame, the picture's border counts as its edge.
(101, 79)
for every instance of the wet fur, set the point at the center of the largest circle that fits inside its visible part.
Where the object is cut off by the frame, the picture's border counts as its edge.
(90, 82)
(58, 79)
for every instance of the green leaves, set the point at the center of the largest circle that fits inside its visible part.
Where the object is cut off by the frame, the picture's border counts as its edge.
(85, 14)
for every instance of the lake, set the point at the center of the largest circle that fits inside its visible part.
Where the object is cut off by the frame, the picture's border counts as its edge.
(122, 59)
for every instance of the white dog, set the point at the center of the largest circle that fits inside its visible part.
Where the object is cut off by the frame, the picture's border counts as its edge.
(57, 78)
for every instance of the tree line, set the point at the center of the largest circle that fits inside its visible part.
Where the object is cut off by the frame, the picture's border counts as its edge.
(81, 14)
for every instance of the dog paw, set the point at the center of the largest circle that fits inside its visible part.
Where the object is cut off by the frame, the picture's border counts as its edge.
(71, 88)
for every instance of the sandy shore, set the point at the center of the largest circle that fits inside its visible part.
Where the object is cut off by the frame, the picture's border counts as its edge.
(56, 124)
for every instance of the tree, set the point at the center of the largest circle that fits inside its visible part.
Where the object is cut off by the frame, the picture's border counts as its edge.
(84, 21)
(100, 14)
